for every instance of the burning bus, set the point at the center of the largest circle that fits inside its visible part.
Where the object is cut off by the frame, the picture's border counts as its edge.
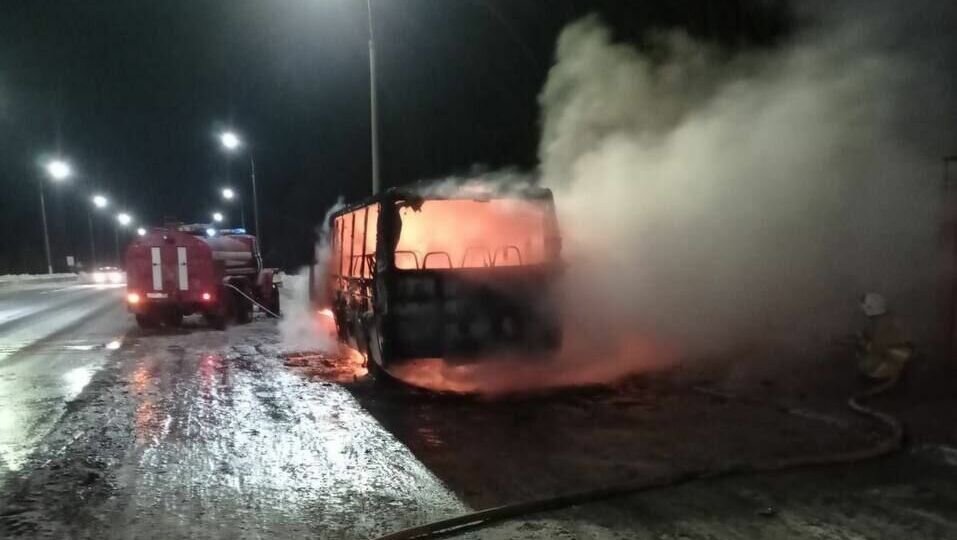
(457, 276)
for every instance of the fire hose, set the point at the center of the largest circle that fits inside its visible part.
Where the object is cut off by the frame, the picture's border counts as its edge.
(889, 444)
(251, 299)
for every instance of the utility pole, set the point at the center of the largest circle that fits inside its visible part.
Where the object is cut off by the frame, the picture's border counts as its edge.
(46, 232)
(950, 233)
(89, 220)
(252, 175)
(373, 112)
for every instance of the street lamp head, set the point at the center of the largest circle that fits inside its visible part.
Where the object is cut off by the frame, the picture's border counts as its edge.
(124, 219)
(100, 201)
(229, 140)
(141, 231)
(59, 169)
(218, 217)
(228, 194)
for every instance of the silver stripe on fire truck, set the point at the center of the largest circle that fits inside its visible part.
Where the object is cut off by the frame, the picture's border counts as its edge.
(232, 255)
(157, 268)
(183, 273)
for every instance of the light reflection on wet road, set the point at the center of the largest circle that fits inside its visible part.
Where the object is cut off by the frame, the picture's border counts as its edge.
(227, 440)
(200, 433)
(52, 342)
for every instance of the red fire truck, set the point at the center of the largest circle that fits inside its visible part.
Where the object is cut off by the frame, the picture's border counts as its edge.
(179, 270)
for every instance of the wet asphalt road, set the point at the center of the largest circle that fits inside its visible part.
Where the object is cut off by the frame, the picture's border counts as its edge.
(200, 433)
(52, 341)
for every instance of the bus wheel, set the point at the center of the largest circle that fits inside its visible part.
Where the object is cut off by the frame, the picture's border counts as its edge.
(378, 374)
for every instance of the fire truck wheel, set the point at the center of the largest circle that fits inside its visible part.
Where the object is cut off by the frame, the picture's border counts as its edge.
(215, 320)
(273, 303)
(146, 321)
(243, 308)
(173, 319)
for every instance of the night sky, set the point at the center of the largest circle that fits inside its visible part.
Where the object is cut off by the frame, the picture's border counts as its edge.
(134, 92)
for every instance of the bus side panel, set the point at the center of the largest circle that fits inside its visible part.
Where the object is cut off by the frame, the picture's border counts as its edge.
(465, 313)
(351, 267)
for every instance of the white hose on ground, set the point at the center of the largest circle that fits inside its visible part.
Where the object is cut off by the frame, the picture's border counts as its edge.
(481, 518)
(251, 299)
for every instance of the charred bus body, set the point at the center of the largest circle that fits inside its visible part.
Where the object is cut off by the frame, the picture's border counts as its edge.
(457, 277)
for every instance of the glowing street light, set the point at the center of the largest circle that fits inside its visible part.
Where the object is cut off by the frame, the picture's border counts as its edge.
(218, 217)
(100, 201)
(210, 232)
(228, 194)
(59, 169)
(124, 219)
(229, 140)
(141, 231)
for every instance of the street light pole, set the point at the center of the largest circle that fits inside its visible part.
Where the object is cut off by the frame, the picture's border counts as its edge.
(373, 108)
(231, 142)
(89, 220)
(57, 170)
(950, 220)
(99, 202)
(46, 232)
(252, 175)
(122, 220)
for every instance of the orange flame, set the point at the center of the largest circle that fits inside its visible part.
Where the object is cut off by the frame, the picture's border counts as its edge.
(580, 363)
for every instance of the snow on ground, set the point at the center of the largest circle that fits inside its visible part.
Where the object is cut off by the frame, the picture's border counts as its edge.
(22, 281)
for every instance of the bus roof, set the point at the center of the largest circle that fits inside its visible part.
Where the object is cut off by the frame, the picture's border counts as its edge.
(420, 192)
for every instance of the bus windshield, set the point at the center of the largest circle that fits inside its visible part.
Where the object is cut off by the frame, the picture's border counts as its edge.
(465, 233)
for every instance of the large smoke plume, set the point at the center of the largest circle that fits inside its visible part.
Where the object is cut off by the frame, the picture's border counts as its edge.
(714, 202)
(717, 201)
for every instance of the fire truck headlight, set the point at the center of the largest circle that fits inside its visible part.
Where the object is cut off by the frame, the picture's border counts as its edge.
(99, 277)
(133, 298)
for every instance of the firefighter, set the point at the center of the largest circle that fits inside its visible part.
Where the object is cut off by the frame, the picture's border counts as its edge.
(884, 348)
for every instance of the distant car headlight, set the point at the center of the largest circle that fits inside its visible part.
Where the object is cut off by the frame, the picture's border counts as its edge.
(99, 277)
(115, 277)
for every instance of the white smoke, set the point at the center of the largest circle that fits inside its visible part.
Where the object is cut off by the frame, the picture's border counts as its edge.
(501, 183)
(713, 202)
(300, 328)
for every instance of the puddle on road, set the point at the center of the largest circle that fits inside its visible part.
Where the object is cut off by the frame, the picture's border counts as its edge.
(76, 380)
(82, 345)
